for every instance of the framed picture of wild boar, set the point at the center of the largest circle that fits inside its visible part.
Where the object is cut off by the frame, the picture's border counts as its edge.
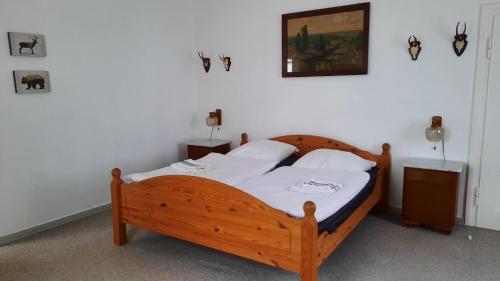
(27, 44)
(326, 42)
(31, 81)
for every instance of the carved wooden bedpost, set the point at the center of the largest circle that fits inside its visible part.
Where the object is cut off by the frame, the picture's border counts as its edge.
(119, 228)
(385, 160)
(244, 139)
(309, 244)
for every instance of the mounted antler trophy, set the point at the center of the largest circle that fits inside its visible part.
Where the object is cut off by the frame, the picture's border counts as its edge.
(415, 47)
(460, 42)
(206, 61)
(226, 61)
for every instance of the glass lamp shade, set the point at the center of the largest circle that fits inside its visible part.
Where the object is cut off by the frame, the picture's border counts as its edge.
(434, 134)
(212, 121)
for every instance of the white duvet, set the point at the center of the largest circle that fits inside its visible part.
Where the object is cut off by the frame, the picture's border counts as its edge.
(226, 169)
(273, 189)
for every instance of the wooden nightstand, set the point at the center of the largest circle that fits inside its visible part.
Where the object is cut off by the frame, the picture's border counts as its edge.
(202, 147)
(430, 190)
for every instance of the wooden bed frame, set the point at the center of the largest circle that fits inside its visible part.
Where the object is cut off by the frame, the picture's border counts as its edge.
(222, 217)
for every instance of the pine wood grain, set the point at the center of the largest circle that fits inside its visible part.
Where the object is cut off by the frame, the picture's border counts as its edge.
(309, 244)
(328, 242)
(222, 217)
(119, 228)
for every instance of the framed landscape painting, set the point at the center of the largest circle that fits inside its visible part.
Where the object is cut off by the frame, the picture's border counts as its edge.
(326, 42)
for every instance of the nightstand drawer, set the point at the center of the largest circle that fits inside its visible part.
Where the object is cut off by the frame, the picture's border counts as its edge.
(197, 149)
(429, 176)
(196, 152)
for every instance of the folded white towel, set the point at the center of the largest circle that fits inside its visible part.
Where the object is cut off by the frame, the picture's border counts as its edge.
(187, 169)
(317, 187)
(191, 167)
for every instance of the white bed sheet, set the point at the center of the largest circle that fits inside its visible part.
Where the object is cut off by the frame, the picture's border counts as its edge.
(227, 169)
(272, 189)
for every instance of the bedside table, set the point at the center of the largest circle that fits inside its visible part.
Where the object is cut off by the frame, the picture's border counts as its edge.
(202, 147)
(430, 189)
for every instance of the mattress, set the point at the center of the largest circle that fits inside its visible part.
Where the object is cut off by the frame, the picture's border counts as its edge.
(331, 223)
(331, 209)
(227, 169)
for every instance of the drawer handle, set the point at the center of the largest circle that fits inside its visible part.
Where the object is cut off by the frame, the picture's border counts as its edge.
(163, 205)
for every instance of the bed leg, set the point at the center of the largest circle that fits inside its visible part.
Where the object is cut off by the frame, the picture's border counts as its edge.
(309, 244)
(119, 228)
(385, 161)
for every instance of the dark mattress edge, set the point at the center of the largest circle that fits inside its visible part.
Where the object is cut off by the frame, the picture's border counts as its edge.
(331, 223)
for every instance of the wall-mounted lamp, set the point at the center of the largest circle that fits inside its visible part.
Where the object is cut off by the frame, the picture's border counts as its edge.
(213, 120)
(435, 133)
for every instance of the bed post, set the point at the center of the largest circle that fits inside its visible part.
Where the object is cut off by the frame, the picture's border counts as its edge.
(119, 228)
(385, 163)
(244, 139)
(309, 244)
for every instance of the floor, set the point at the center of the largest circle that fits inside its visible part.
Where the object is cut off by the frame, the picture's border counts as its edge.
(379, 249)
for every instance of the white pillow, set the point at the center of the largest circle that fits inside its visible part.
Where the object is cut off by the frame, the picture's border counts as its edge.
(264, 149)
(334, 160)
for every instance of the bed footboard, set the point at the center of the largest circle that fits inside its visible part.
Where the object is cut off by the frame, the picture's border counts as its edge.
(216, 215)
(222, 217)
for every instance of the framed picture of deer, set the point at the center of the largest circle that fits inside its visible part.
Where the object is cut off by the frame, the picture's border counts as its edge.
(326, 42)
(31, 81)
(27, 44)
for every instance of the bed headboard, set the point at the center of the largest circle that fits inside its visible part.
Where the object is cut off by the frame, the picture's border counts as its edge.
(307, 143)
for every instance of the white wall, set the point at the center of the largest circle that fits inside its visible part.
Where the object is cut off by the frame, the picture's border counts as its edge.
(121, 96)
(393, 103)
(128, 89)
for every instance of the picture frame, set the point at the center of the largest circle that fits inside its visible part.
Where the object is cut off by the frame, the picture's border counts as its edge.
(31, 81)
(27, 44)
(326, 42)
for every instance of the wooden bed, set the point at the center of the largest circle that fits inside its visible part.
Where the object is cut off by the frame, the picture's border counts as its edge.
(222, 217)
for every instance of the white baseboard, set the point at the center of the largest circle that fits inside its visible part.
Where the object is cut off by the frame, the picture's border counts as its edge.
(398, 211)
(394, 210)
(53, 224)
